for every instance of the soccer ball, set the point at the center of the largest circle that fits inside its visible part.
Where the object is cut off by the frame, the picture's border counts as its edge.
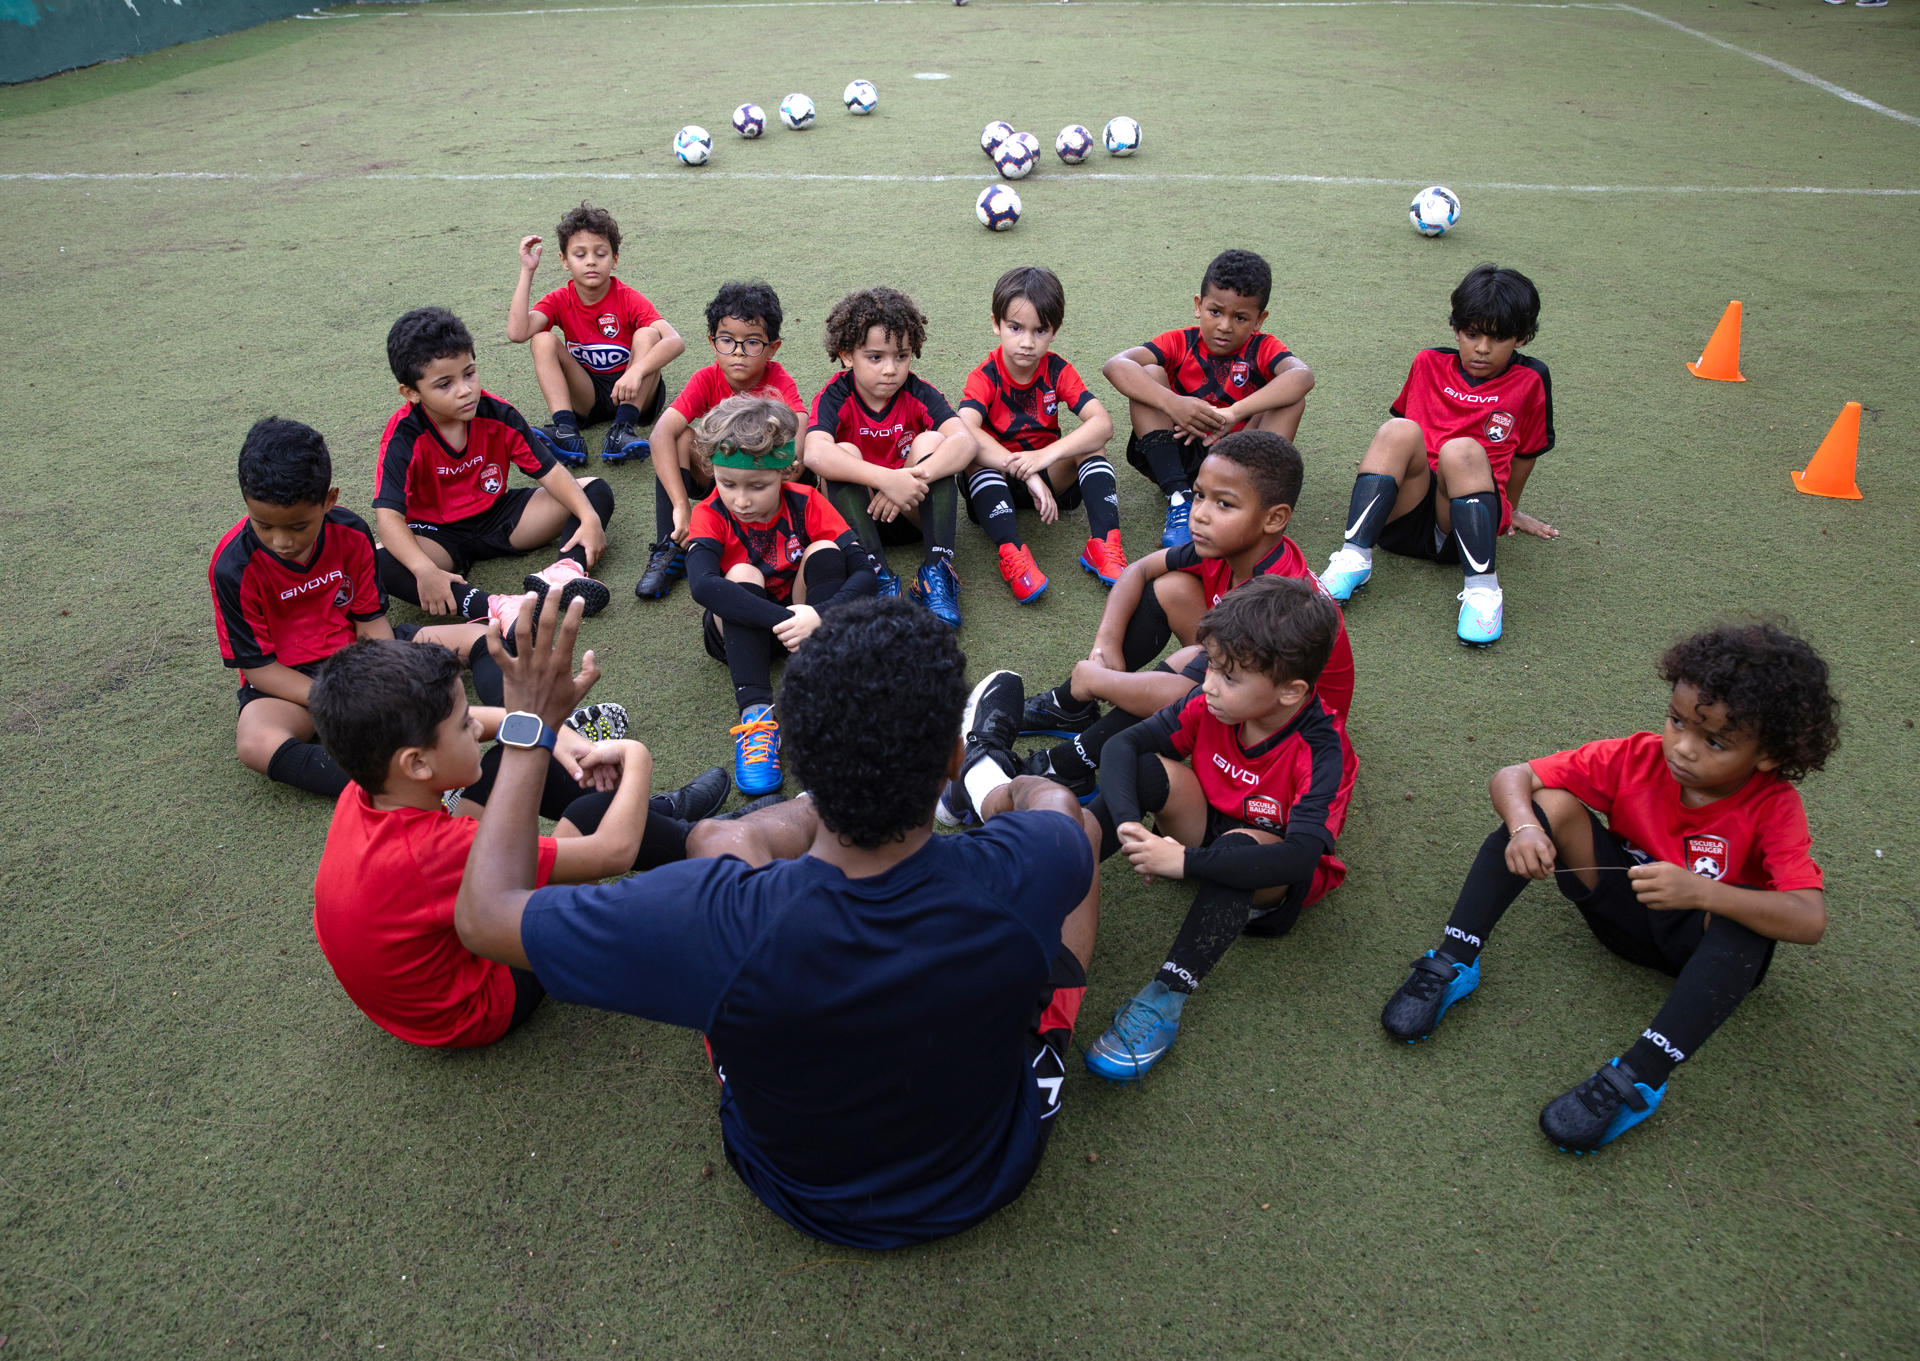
(1433, 210)
(1122, 136)
(796, 111)
(1074, 144)
(860, 97)
(1030, 142)
(993, 134)
(998, 207)
(692, 145)
(749, 120)
(1013, 158)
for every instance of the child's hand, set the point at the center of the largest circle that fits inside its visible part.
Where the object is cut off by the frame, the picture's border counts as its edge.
(1530, 852)
(795, 631)
(1043, 501)
(1524, 523)
(1086, 675)
(606, 764)
(681, 513)
(590, 536)
(529, 253)
(571, 750)
(436, 589)
(1154, 856)
(1666, 887)
(1194, 419)
(626, 388)
(903, 487)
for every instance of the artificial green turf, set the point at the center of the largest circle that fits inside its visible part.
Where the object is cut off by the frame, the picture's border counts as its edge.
(207, 1150)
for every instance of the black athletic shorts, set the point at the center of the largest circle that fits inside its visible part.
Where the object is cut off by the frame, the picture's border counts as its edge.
(603, 403)
(527, 994)
(247, 694)
(486, 535)
(1066, 498)
(1417, 534)
(1192, 454)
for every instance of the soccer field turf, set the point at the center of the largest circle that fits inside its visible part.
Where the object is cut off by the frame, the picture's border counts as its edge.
(208, 1151)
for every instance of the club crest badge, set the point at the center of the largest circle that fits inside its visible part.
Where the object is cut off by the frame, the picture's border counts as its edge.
(492, 479)
(1263, 811)
(344, 596)
(1499, 426)
(1240, 374)
(609, 325)
(1049, 401)
(1707, 856)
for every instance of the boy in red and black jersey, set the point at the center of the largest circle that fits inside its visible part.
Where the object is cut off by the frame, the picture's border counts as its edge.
(1685, 850)
(1248, 780)
(885, 443)
(598, 346)
(293, 583)
(1012, 403)
(441, 500)
(1442, 479)
(1187, 388)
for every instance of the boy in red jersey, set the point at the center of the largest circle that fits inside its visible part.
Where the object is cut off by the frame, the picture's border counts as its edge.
(598, 345)
(293, 583)
(1012, 403)
(1187, 388)
(1702, 865)
(441, 500)
(886, 445)
(743, 326)
(1442, 479)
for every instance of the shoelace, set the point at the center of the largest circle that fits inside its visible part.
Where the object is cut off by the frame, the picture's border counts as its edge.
(760, 736)
(1134, 1022)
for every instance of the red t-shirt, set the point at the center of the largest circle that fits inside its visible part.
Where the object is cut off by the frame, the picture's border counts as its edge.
(883, 437)
(268, 609)
(1510, 414)
(1218, 380)
(430, 482)
(383, 914)
(1286, 560)
(1299, 779)
(600, 337)
(709, 387)
(1755, 838)
(775, 546)
(1024, 417)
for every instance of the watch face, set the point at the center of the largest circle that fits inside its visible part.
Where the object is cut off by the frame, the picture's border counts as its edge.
(520, 729)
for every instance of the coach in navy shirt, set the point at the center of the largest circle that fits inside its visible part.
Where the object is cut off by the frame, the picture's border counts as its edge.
(887, 1010)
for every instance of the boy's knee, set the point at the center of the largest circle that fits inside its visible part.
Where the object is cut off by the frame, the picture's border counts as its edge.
(599, 496)
(545, 345)
(746, 574)
(1461, 456)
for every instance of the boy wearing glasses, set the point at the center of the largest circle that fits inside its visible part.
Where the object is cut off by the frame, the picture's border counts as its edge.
(743, 326)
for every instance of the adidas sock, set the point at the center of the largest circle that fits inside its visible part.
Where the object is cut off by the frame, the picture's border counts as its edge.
(1161, 453)
(566, 424)
(626, 414)
(1711, 984)
(306, 765)
(1101, 493)
(1476, 527)
(991, 501)
(1489, 891)
(1367, 511)
(1213, 923)
(981, 779)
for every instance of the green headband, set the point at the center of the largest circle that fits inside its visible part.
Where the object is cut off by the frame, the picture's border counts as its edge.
(727, 456)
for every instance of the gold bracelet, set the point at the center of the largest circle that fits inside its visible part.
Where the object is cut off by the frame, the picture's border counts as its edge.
(1526, 826)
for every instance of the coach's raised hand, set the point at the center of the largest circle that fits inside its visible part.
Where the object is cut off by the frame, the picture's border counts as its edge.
(539, 674)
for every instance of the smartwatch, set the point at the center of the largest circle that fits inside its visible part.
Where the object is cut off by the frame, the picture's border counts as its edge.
(525, 731)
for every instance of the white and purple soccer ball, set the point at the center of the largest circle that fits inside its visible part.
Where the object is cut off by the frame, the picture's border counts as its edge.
(692, 145)
(1122, 136)
(749, 120)
(1030, 142)
(1074, 144)
(998, 207)
(993, 134)
(1433, 210)
(797, 111)
(1013, 158)
(860, 97)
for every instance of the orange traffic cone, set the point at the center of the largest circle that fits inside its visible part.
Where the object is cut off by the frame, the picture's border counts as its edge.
(1720, 361)
(1830, 473)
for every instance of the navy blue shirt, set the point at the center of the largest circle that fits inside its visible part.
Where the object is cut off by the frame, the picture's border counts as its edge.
(872, 1036)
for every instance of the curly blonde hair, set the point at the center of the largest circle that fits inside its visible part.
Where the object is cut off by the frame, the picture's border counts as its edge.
(753, 425)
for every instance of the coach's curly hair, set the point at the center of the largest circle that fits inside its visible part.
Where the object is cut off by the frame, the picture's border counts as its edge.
(587, 218)
(857, 313)
(753, 425)
(1772, 683)
(869, 710)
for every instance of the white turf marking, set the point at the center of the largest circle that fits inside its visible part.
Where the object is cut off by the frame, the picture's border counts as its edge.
(930, 75)
(1071, 177)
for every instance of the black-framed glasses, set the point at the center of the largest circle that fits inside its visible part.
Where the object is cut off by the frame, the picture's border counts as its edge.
(750, 346)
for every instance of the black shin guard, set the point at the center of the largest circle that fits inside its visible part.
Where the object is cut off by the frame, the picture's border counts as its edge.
(488, 683)
(600, 497)
(850, 499)
(1476, 529)
(749, 652)
(825, 572)
(1367, 511)
(940, 519)
(662, 841)
(1147, 632)
(1213, 923)
(1161, 452)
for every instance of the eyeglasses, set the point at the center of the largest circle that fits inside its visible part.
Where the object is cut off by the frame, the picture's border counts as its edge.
(750, 346)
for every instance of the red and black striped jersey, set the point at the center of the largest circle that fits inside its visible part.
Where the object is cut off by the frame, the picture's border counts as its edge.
(775, 546)
(1217, 380)
(429, 481)
(1024, 417)
(883, 437)
(268, 609)
(1510, 414)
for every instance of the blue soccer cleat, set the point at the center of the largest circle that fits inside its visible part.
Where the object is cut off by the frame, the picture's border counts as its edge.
(1481, 609)
(889, 583)
(756, 751)
(1347, 571)
(1175, 531)
(1434, 985)
(568, 449)
(1599, 1110)
(625, 444)
(938, 589)
(1143, 1030)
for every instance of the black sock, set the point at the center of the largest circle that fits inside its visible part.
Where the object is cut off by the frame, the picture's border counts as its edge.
(600, 497)
(939, 519)
(850, 499)
(566, 424)
(306, 765)
(1213, 923)
(1101, 493)
(1476, 529)
(1367, 511)
(1489, 891)
(1079, 758)
(470, 601)
(558, 789)
(1147, 632)
(626, 414)
(488, 682)
(992, 505)
(825, 572)
(749, 652)
(663, 512)
(662, 841)
(1161, 450)
(1722, 971)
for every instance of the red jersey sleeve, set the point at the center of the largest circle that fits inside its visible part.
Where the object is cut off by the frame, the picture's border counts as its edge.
(530, 458)
(824, 523)
(640, 311)
(1533, 435)
(1399, 407)
(978, 393)
(1590, 773)
(550, 306)
(1786, 844)
(827, 403)
(1191, 716)
(1073, 393)
(939, 409)
(1169, 348)
(1268, 354)
(696, 399)
(706, 523)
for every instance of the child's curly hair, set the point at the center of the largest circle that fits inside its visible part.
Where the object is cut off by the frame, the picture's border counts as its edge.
(1772, 683)
(857, 313)
(587, 218)
(753, 425)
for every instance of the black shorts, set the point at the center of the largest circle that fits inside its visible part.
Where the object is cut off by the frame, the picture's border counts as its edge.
(247, 694)
(1192, 454)
(1417, 534)
(486, 535)
(527, 994)
(1656, 940)
(603, 403)
(1066, 498)
(1054, 1013)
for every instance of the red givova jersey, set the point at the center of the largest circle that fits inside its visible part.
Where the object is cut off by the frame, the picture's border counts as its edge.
(428, 480)
(269, 609)
(1217, 380)
(883, 437)
(1510, 414)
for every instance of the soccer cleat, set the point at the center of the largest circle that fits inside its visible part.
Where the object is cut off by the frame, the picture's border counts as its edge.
(1022, 573)
(1346, 573)
(1045, 714)
(756, 751)
(599, 722)
(1481, 609)
(666, 564)
(988, 724)
(1599, 1110)
(752, 806)
(574, 583)
(506, 609)
(625, 444)
(568, 449)
(1143, 1030)
(1175, 531)
(701, 796)
(938, 589)
(889, 583)
(1105, 558)
(1082, 787)
(1434, 985)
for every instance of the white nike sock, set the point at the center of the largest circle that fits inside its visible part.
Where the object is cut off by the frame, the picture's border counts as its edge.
(1179, 498)
(1489, 581)
(1365, 554)
(981, 779)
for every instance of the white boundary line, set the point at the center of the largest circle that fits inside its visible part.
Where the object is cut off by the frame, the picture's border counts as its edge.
(802, 177)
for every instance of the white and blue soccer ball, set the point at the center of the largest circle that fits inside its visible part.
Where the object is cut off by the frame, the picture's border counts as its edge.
(1074, 144)
(860, 96)
(692, 145)
(1122, 136)
(797, 111)
(993, 134)
(749, 120)
(1013, 158)
(998, 207)
(1433, 210)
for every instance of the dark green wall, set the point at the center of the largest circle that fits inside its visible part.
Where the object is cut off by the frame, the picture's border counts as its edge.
(40, 37)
